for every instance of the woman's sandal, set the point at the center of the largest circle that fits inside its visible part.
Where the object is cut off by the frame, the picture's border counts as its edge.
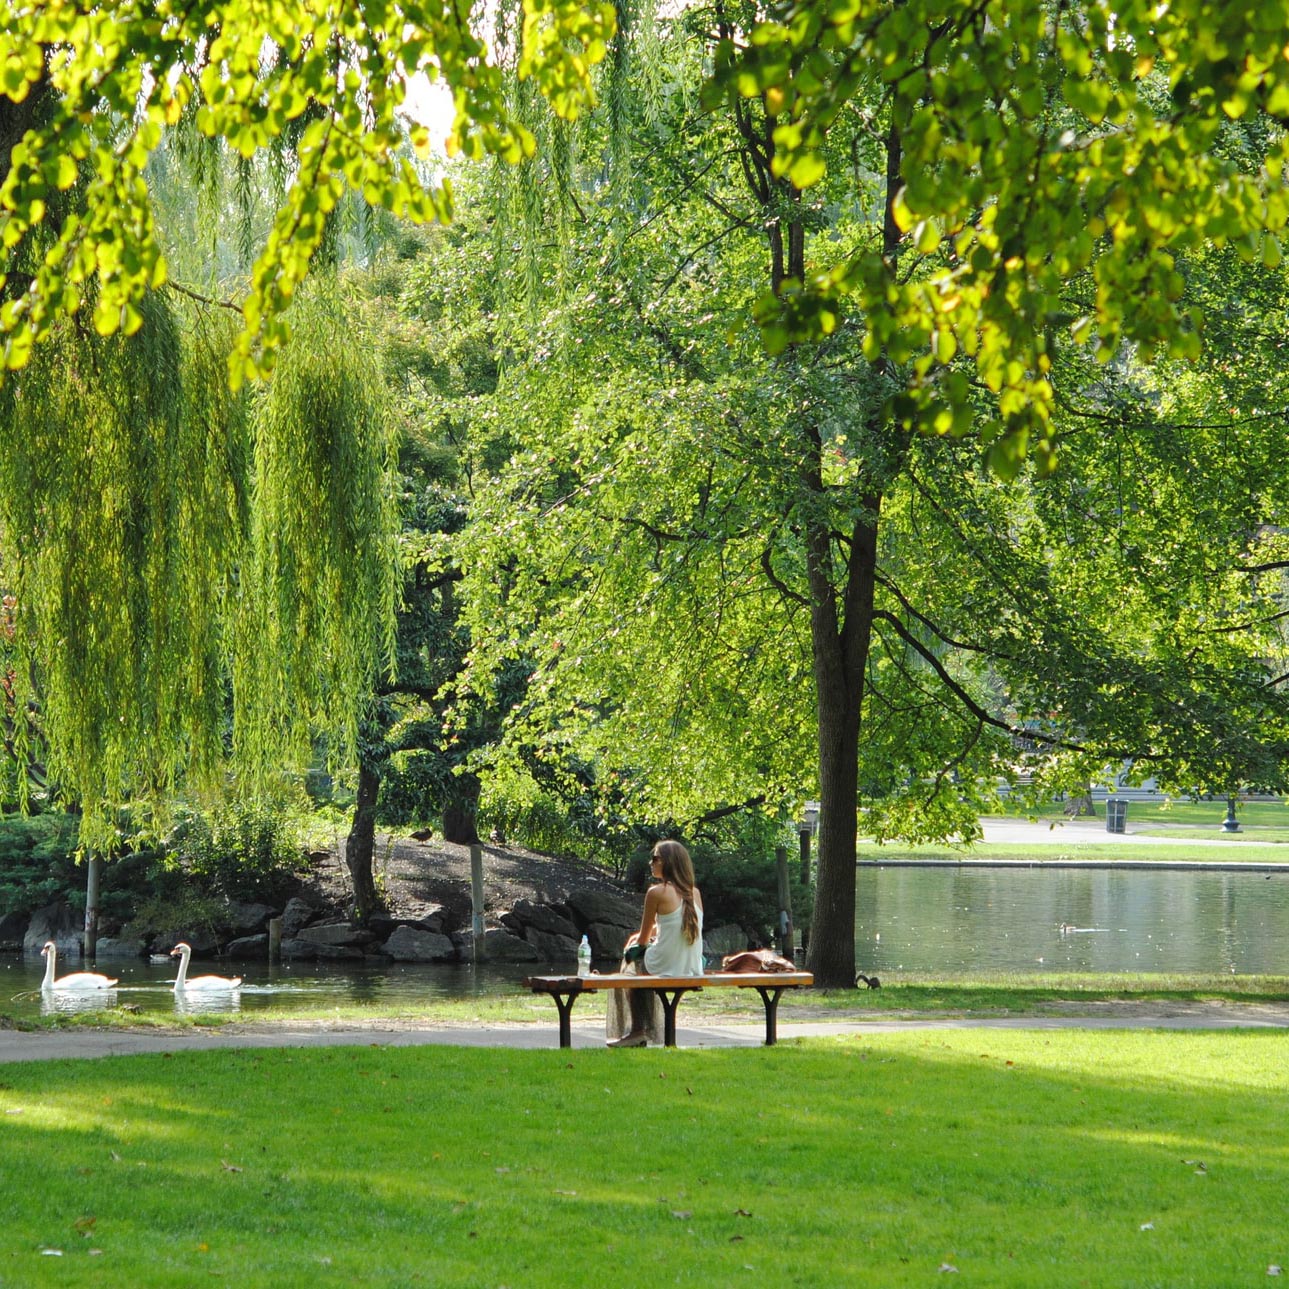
(628, 1040)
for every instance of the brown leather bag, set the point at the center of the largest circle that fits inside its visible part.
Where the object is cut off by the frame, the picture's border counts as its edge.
(756, 960)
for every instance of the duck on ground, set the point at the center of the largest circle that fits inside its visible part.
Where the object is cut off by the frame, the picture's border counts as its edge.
(205, 983)
(78, 980)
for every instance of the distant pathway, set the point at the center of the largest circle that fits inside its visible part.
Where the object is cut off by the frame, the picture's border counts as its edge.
(1084, 831)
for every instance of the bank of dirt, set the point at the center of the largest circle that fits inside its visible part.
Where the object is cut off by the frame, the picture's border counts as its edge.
(415, 875)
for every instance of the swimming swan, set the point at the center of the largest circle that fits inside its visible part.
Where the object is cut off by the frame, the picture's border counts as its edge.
(76, 980)
(211, 983)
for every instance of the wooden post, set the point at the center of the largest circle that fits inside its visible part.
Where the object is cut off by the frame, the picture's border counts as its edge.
(275, 939)
(803, 836)
(91, 906)
(786, 946)
(476, 902)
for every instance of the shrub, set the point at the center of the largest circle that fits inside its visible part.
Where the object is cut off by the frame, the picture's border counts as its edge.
(242, 851)
(37, 862)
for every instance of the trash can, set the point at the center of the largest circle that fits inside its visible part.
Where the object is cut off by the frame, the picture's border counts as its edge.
(1116, 814)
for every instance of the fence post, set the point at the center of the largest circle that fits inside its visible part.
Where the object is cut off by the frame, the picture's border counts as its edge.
(91, 906)
(476, 902)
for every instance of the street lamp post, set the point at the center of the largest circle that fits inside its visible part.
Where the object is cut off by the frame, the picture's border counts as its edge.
(806, 828)
(1230, 823)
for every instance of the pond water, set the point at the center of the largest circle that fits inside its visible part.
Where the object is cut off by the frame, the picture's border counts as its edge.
(976, 918)
(305, 985)
(953, 919)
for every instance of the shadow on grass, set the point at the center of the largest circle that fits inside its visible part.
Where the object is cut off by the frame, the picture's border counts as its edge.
(1021, 1158)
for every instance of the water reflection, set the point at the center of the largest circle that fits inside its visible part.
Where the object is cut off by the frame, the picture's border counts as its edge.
(211, 1002)
(148, 988)
(54, 1002)
(967, 919)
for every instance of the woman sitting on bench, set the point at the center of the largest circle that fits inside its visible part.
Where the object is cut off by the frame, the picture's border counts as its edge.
(669, 943)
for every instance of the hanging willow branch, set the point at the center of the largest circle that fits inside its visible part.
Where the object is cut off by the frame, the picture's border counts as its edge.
(193, 570)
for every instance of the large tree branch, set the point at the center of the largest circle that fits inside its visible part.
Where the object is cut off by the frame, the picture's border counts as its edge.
(1052, 740)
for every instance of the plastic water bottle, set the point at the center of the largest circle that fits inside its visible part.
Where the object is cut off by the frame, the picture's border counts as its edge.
(584, 957)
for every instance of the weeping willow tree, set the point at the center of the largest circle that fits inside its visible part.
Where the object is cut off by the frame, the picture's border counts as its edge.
(198, 578)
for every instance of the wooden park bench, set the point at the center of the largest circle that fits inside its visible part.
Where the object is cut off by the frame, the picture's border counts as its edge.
(566, 990)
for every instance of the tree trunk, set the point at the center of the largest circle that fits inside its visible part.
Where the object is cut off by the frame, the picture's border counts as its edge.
(840, 645)
(360, 845)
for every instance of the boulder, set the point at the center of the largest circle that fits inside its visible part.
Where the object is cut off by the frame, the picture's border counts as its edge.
(423, 917)
(248, 948)
(524, 914)
(336, 935)
(382, 925)
(12, 928)
(559, 949)
(434, 918)
(608, 940)
(54, 922)
(120, 947)
(203, 942)
(591, 906)
(296, 950)
(721, 940)
(297, 915)
(338, 952)
(501, 946)
(248, 919)
(410, 944)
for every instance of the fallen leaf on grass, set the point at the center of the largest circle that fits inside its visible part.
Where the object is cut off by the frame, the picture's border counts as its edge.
(95, 1253)
(229, 1168)
(948, 1266)
(565, 1192)
(51, 1253)
(734, 1239)
(681, 1213)
(1274, 1270)
(1146, 1226)
(84, 1225)
(741, 1212)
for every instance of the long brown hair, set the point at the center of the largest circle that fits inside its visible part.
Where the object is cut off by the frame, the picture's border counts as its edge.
(678, 869)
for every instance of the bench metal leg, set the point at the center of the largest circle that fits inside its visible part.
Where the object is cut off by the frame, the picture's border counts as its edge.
(770, 995)
(564, 1001)
(669, 1013)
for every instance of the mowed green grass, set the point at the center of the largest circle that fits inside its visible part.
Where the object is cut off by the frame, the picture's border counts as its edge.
(1017, 1157)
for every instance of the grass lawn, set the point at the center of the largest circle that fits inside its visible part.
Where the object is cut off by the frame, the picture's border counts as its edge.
(1019, 1158)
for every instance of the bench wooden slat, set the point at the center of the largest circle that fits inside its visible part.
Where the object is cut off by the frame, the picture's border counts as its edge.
(715, 979)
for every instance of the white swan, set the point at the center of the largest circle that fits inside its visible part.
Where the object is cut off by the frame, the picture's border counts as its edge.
(211, 983)
(78, 980)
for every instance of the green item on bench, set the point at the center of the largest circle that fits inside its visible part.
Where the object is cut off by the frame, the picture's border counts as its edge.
(635, 953)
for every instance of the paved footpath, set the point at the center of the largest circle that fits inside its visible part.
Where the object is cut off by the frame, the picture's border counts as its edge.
(78, 1044)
